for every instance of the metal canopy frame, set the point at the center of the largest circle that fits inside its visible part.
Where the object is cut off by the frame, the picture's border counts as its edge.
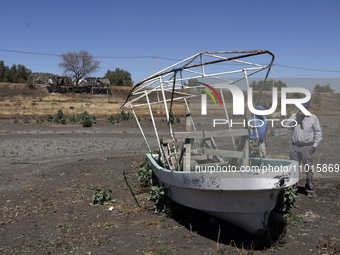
(172, 81)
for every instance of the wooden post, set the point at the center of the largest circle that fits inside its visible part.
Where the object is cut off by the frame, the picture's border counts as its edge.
(187, 143)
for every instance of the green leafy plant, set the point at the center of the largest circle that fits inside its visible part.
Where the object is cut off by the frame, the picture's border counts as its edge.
(178, 119)
(190, 236)
(125, 116)
(15, 121)
(87, 123)
(296, 218)
(102, 195)
(122, 116)
(158, 195)
(83, 117)
(145, 173)
(72, 118)
(112, 119)
(60, 117)
(26, 119)
(49, 118)
(93, 119)
(286, 200)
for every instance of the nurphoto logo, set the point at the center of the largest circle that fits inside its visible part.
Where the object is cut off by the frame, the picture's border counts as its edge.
(238, 99)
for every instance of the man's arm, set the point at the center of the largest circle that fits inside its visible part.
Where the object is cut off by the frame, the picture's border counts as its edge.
(317, 133)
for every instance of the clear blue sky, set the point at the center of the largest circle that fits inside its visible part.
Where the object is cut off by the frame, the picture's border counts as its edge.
(302, 34)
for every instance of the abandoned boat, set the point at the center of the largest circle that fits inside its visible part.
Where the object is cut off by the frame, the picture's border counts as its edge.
(204, 166)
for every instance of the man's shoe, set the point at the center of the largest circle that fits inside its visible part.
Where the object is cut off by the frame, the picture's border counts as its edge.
(311, 194)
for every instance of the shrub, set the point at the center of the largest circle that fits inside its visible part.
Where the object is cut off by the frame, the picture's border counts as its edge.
(72, 119)
(82, 117)
(158, 195)
(30, 84)
(87, 123)
(93, 119)
(26, 119)
(49, 118)
(111, 119)
(286, 200)
(120, 117)
(101, 195)
(15, 121)
(123, 115)
(40, 120)
(145, 173)
(178, 119)
(60, 117)
(323, 88)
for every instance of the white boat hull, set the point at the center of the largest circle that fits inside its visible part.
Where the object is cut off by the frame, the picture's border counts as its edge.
(242, 198)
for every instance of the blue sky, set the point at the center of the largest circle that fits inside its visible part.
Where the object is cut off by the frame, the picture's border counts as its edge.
(302, 34)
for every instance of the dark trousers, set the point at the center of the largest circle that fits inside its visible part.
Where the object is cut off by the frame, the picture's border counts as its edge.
(304, 154)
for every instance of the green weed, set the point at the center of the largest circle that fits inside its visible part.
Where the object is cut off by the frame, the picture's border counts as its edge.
(102, 195)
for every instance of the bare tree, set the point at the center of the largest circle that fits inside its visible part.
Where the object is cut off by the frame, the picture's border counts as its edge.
(78, 64)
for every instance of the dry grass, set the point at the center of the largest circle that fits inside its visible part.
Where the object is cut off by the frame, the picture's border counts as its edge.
(18, 99)
(37, 101)
(329, 246)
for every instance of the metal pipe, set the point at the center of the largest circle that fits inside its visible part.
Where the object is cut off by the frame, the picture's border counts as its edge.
(154, 125)
(140, 128)
(168, 118)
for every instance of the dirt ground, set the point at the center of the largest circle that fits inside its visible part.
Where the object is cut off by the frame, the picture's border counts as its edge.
(45, 202)
(49, 172)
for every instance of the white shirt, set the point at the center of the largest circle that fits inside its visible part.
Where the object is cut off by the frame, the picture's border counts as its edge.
(305, 133)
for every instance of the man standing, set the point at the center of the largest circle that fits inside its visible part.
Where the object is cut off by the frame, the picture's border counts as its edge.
(304, 129)
(258, 137)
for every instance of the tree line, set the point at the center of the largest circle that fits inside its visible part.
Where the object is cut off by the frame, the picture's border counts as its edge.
(15, 74)
(268, 85)
(323, 88)
(279, 84)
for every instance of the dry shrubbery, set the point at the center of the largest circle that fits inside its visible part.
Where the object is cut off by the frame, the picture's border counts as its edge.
(329, 246)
